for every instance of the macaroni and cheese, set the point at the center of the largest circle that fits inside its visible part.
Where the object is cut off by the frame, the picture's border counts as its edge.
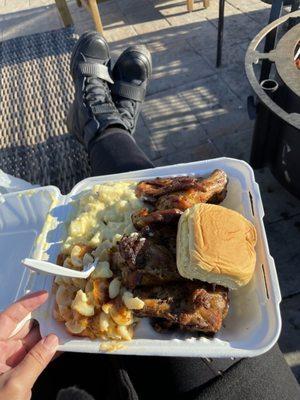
(97, 307)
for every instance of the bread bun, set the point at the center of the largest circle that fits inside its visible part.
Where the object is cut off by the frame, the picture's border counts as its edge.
(216, 245)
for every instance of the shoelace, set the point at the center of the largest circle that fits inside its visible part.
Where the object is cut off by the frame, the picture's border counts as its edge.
(96, 92)
(126, 108)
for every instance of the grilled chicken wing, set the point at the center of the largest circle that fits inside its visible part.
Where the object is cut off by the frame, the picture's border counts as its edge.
(150, 190)
(193, 306)
(183, 192)
(141, 261)
(209, 190)
(143, 218)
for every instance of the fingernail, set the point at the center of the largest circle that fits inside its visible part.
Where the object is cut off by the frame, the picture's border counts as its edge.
(51, 342)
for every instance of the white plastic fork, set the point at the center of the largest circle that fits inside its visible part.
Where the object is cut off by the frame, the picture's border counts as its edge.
(53, 269)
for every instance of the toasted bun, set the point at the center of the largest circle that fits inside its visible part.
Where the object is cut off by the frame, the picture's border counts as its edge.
(216, 245)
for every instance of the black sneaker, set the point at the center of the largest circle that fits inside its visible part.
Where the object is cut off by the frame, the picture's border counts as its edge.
(93, 109)
(131, 74)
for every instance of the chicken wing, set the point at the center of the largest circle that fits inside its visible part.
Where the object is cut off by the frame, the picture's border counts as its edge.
(141, 261)
(183, 192)
(210, 190)
(151, 190)
(193, 306)
(158, 218)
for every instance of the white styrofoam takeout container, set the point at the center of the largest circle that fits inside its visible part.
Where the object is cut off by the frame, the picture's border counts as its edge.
(33, 224)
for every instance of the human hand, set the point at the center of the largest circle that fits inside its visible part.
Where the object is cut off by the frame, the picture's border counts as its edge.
(25, 355)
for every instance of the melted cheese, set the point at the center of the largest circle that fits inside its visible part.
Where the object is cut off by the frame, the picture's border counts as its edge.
(103, 214)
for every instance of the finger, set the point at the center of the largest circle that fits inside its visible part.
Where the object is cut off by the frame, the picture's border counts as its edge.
(32, 338)
(4, 368)
(18, 311)
(8, 348)
(22, 347)
(29, 369)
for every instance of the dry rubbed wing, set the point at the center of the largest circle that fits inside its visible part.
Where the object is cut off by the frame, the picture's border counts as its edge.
(151, 190)
(182, 192)
(193, 306)
(140, 261)
(159, 225)
(209, 190)
(156, 218)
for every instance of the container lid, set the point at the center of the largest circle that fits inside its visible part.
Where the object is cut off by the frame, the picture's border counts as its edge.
(22, 217)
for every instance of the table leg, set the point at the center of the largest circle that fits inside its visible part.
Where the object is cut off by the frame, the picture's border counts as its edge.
(190, 5)
(295, 7)
(275, 13)
(220, 32)
(95, 15)
(64, 12)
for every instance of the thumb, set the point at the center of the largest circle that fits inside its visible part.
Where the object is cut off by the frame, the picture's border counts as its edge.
(35, 361)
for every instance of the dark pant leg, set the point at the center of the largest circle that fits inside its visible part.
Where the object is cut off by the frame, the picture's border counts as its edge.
(87, 372)
(116, 151)
(266, 377)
